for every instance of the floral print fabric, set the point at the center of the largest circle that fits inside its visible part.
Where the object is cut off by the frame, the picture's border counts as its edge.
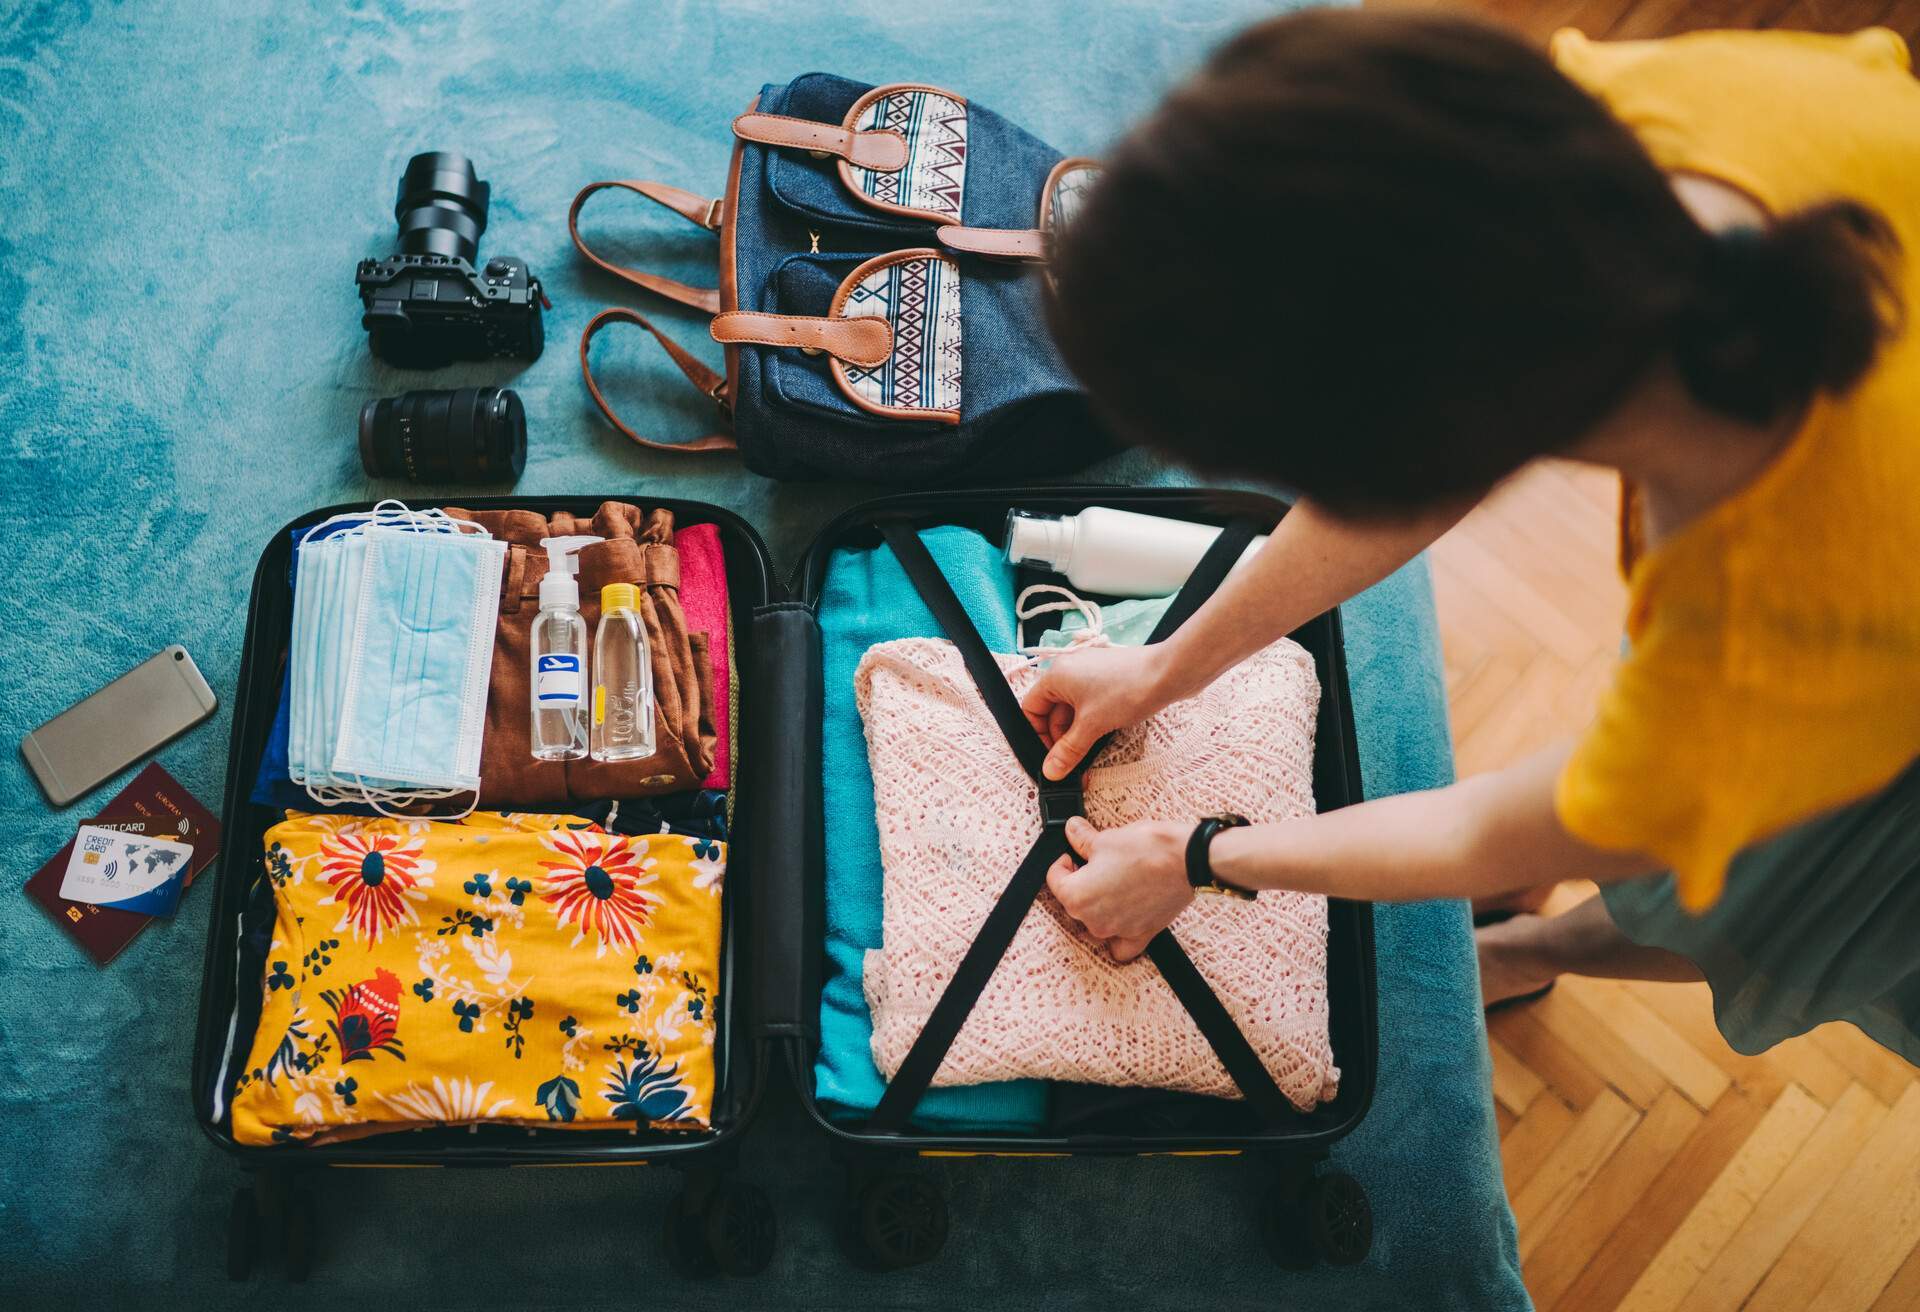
(526, 969)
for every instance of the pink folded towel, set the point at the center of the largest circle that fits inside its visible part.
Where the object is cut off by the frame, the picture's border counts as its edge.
(703, 600)
(956, 814)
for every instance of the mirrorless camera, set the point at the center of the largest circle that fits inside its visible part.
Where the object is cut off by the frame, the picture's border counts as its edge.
(427, 305)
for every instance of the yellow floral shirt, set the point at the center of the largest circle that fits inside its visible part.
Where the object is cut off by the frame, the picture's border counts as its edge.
(1775, 662)
(528, 969)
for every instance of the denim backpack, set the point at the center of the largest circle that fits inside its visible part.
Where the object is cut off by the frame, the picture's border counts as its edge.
(879, 291)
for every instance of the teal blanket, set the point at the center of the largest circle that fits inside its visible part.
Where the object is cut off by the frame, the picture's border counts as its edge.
(186, 188)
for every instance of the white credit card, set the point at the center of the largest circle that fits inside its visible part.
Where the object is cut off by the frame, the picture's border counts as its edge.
(128, 872)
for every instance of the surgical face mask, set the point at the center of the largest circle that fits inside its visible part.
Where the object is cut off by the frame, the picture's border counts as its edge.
(415, 698)
(325, 586)
(370, 600)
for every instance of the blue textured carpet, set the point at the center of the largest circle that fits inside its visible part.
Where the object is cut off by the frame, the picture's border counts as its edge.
(184, 191)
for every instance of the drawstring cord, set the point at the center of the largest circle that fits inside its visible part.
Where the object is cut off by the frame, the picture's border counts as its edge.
(1093, 635)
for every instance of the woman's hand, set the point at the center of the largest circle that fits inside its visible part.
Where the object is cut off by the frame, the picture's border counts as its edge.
(1132, 884)
(1086, 693)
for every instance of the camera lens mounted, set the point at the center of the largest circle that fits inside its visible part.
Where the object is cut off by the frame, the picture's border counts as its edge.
(442, 206)
(468, 435)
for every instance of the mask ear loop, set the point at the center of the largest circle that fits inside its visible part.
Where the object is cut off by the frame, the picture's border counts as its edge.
(1094, 633)
(374, 797)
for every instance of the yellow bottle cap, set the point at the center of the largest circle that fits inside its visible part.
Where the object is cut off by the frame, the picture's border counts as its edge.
(617, 596)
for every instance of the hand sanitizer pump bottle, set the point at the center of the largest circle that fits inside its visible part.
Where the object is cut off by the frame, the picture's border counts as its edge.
(559, 647)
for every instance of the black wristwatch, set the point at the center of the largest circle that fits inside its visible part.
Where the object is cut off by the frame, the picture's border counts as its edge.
(1199, 863)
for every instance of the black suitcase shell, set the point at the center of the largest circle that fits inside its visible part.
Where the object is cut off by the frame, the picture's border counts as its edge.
(773, 947)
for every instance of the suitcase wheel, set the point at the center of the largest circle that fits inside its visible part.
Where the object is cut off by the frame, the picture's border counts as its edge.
(894, 1221)
(1322, 1217)
(731, 1233)
(243, 1233)
(1341, 1217)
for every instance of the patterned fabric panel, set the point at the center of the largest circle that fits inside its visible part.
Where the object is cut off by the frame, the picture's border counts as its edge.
(534, 970)
(1070, 192)
(921, 299)
(935, 177)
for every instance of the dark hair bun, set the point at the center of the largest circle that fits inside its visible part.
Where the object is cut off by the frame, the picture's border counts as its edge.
(1782, 312)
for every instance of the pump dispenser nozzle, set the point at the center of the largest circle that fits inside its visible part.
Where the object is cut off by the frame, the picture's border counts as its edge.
(560, 587)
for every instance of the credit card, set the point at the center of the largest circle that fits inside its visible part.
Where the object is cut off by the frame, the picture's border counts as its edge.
(128, 872)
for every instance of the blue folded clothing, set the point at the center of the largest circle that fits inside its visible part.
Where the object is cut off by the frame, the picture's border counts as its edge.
(866, 598)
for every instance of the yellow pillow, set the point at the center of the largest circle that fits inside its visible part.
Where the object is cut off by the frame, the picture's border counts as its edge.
(525, 969)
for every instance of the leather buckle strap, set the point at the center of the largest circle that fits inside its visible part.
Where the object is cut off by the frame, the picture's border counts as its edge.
(882, 149)
(695, 209)
(866, 342)
(697, 373)
(1027, 245)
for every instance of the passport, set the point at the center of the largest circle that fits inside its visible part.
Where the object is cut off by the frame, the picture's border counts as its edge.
(154, 805)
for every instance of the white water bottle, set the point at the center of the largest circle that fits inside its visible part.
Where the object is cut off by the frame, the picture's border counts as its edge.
(558, 642)
(1116, 553)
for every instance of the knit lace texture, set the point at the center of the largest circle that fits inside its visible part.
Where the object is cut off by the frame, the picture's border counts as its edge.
(956, 815)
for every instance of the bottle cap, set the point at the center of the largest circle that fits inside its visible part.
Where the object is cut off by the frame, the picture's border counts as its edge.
(619, 596)
(558, 587)
(1044, 541)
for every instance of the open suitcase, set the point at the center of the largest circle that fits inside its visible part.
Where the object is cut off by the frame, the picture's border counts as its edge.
(772, 957)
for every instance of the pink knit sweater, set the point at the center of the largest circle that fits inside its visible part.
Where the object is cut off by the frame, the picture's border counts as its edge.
(956, 814)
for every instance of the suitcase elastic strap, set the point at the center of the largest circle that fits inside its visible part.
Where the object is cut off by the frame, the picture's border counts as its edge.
(1059, 802)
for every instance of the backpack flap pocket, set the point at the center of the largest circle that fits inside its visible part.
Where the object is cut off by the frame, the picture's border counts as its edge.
(805, 284)
(890, 340)
(808, 125)
(1066, 191)
(917, 294)
(930, 181)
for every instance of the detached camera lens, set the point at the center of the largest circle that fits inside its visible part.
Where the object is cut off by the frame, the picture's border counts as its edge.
(469, 435)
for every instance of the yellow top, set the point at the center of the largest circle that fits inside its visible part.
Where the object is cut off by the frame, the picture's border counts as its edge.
(1774, 669)
(619, 596)
(529, 969)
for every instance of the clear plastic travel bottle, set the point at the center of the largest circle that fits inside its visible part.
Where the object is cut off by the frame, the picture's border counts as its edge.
(558, 686)
(622, 678)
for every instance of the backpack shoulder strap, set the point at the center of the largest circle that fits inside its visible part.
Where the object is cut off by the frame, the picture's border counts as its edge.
(697, 373)
(695, 209)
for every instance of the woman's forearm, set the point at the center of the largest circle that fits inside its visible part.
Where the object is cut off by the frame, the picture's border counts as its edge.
(1493, 833)
(1312, 562)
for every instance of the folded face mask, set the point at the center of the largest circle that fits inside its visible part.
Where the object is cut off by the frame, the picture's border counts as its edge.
(415, 695)
(325, 587)
(369, 598)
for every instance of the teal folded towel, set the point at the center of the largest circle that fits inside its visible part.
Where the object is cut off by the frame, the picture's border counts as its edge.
(866, 599)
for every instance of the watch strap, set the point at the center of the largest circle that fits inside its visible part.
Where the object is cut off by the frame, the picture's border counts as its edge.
(1200, 852)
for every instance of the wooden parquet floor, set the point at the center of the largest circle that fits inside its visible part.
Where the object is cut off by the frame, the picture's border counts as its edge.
(1650, 1166)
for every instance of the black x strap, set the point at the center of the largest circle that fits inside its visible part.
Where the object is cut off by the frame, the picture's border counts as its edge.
(1059, 802)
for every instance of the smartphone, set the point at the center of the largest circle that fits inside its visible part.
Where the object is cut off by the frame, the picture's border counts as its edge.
(93, 740)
